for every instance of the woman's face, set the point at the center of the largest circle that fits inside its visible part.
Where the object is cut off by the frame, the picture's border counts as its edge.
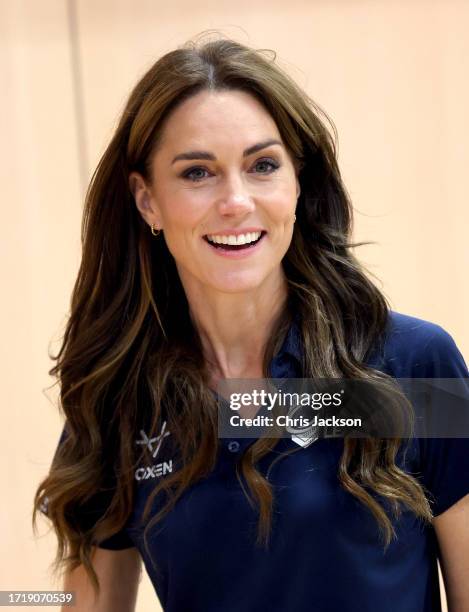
(221, 171)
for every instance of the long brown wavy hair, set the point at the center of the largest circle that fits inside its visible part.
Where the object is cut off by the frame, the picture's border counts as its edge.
(130, 353)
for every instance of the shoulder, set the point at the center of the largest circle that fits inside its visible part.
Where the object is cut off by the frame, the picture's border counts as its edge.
(413, 347)
(422, 338)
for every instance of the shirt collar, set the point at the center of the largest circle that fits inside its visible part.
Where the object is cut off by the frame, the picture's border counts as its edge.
(287, 363)
(293, 343)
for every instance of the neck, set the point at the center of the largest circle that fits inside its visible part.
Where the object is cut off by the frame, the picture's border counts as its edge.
(234, 327)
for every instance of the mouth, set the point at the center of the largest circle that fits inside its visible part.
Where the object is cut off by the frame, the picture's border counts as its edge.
(235, 247)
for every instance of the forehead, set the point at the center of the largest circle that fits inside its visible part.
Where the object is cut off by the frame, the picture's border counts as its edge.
(218, 116)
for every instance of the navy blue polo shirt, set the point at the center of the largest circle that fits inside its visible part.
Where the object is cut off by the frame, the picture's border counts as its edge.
(325, 553)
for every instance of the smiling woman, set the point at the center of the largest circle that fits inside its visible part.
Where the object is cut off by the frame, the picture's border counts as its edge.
(216, 244)
(240, 200)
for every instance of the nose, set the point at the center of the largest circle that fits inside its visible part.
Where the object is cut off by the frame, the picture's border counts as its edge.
(235, 198)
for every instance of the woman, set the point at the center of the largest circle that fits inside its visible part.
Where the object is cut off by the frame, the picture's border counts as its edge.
(216, 246)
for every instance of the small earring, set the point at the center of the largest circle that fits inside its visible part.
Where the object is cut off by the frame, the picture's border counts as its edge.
(153, 230)
(294, 218)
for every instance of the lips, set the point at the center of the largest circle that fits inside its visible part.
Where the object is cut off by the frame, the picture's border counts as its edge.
(235, 247)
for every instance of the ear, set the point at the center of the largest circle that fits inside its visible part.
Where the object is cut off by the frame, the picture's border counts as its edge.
(298, 187)
(298, 165)
(144, 199)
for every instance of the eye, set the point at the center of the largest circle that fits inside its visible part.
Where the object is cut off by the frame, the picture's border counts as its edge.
(189, 174)
(267, 162)
(195, 174)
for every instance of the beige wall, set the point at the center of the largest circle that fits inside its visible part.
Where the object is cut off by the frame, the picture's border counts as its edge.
(391, 74)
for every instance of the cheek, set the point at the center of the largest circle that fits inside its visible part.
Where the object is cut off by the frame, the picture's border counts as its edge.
(185, 209)
(282, 206)
(183, 221)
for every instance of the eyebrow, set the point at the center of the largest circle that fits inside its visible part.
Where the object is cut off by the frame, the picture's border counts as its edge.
(206, 155)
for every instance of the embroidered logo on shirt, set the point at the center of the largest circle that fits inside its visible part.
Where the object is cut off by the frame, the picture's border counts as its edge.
(149, 441)
(154, 471)
(157, 469)
(304, 440)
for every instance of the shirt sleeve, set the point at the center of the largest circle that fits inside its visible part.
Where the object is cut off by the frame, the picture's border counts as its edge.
(444, 462)
(93, 510)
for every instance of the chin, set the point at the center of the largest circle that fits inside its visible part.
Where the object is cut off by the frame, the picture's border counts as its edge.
(236, 283)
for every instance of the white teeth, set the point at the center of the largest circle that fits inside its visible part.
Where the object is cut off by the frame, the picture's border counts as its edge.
(240, 239)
